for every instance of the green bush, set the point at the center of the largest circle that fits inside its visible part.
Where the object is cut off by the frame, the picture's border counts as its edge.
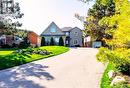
(43, 41)
(52, 41)
(118, 57)
(125, 69)
(120, 85)
(102, 55)
(25, 43)
(61, 42)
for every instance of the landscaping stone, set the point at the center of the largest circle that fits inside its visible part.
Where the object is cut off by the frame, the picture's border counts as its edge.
(42, 53)
(111, 74)
(117, 79)
(33, 51)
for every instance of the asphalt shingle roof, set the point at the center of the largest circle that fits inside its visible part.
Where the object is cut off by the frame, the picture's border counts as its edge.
(66, 29)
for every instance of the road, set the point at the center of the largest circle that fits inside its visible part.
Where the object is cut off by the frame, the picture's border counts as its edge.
(76, 68)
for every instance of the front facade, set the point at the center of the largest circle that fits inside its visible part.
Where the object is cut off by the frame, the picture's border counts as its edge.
(71, 36)
(34, 39)
(10, 40)
(87, 41)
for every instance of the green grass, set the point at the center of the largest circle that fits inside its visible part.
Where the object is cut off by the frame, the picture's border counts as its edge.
(7, 59)
(105, 82)
(6, 51)
(56, 49)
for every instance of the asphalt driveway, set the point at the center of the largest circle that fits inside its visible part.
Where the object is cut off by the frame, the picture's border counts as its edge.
(77, 68)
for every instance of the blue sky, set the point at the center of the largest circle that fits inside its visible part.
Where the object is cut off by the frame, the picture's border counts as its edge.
(38, 14)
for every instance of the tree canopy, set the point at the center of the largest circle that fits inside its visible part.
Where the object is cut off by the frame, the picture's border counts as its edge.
(8, 18)
(118, 26)
(101, 9)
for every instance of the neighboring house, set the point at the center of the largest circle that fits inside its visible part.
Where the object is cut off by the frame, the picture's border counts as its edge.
(2, 40)
(10, 40)
(71, 36)
(34, 39)
(87, 41)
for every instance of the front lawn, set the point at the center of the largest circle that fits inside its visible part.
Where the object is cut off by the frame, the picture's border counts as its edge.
(6, 51)
(9, 59)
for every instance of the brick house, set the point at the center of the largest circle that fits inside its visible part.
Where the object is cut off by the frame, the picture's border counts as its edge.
(34, 39)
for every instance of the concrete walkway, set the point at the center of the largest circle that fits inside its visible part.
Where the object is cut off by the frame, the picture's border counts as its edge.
(77, 68)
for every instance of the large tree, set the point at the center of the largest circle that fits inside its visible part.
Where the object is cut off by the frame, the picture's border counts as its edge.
(101, 8)
(118, 51)
(9, 16)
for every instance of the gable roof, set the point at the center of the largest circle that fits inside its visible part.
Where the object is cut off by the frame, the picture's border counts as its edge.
(65, 29)
(47, 30)
(32, 32)
(75, 28)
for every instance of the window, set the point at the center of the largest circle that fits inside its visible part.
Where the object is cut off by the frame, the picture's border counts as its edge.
(76, 33)
(67, 33)
(53, 29)
(75, 42)
(56, 39)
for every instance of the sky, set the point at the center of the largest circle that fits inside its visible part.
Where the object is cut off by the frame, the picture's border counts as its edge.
(38, 14)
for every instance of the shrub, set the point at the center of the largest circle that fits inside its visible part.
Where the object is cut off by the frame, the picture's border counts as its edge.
(120, 85)
(32, 51)
(102, 54)
(125, 69)
(52, 41)
(5, 46)
(43, 41)
(25, 43)
(61, 42)
(119, 57)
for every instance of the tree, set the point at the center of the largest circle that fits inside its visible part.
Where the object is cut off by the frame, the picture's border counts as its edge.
(118, 26)
(101, 8)
(10, 12)
(52, 41)
(25, 43)
(43, 41)
(61, 42)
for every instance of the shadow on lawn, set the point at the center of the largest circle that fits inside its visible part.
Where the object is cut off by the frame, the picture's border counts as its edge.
(11, 60)
(24, 76)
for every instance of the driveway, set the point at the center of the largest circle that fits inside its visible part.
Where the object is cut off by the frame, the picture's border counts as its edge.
(77, 68)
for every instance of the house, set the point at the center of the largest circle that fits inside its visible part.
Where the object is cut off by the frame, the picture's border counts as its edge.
(71, 36)
(87, 41)
(10, 40)
(2, 40)
(34, 39)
